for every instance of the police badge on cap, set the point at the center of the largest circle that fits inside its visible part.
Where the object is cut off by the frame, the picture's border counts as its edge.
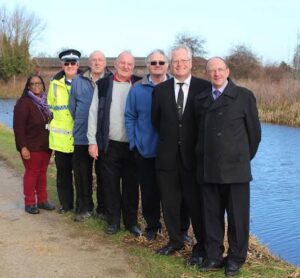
(70, 54)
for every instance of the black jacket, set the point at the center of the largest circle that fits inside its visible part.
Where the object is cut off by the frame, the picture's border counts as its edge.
(171, 134)
(229, 133)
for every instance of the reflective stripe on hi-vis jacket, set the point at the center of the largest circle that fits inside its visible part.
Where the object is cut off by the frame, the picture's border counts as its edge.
(61, 127)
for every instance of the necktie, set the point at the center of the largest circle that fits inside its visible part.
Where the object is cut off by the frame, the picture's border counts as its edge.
(180, 102)
(216, 93)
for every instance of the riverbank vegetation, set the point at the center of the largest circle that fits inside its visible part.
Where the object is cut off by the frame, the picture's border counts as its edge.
(278, 99)
(260, 262)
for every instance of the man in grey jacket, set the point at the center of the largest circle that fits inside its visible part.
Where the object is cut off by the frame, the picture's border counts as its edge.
(79, 104)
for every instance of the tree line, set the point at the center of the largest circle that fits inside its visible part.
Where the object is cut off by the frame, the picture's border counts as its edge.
(19, 29)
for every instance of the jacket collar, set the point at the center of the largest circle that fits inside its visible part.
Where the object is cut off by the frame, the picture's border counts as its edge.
(229, 94)
(146, 79)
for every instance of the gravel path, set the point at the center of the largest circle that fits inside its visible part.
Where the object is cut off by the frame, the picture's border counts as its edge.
(46, 245)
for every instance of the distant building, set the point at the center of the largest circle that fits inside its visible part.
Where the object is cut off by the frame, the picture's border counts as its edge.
(48, 67)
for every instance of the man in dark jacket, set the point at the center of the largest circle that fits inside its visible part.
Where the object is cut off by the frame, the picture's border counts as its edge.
(81, 95)
(108, 142)
(173, 117)
(228, 137)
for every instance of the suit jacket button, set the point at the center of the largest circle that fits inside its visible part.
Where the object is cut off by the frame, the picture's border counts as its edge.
(220, 113)
(219, 134)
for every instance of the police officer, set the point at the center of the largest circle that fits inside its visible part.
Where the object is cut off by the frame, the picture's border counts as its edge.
(61, 127)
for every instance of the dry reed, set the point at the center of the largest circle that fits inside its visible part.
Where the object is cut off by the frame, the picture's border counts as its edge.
(278, 102)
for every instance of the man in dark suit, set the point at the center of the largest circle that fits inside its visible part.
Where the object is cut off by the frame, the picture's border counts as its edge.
(229, 133)
(173, 117)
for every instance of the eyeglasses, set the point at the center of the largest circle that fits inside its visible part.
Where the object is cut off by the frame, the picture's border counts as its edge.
(35, 83)
(182, 61)
(155, 63)
(66, 64)
(218, 70)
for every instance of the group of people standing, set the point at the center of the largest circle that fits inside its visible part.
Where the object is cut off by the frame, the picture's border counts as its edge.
(185, 142)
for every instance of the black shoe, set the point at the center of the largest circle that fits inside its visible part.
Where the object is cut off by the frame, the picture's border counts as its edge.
(135, 230)
(100, 216)
(150, 234)
(80, 217)
(232, 268)
(169, 249)
(32, 209)
(187, 239)
(63, 210)
(211, 265)
(112, 229)
(46, 206)
(195, 260)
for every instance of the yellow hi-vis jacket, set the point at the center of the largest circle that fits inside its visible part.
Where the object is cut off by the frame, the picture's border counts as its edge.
(61, 127)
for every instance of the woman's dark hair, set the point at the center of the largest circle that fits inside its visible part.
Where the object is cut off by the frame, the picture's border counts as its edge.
(28, 83)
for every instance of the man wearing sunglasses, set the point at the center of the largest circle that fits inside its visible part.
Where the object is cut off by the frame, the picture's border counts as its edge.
(173, 118)
(61, 126)
(143, 138)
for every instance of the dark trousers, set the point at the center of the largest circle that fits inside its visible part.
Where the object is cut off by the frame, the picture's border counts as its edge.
(83, 177)
(235, 200)
(180, 199)
(99, 190)
(121, 191)
(64, 179)
(149, 191)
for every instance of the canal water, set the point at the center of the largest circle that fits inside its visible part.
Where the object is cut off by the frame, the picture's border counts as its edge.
(275, 189)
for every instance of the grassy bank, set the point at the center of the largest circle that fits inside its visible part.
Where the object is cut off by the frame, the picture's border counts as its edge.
(260, 263)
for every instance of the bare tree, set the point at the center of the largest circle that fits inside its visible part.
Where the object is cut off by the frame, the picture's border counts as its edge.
(243, 63)
(296, 58)
(195, 43)
(19, 30)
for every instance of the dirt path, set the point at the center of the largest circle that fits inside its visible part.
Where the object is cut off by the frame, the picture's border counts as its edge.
(45, 245)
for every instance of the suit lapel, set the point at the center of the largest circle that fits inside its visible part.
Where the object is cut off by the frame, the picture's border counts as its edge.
(190, 98)
(171, 101)
(205, 99)
(189, 101)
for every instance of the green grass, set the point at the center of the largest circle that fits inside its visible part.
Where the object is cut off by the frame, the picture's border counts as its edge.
(142, 260)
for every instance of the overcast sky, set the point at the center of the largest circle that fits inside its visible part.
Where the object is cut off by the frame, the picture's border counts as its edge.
(268, 27)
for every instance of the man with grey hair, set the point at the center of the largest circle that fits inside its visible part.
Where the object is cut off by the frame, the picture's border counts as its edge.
(108, 142)
(79, 104)
(143, 138)
(173, 117)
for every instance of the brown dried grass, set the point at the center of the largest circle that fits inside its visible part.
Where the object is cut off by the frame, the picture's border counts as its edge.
(13, 88)
(278, 102)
